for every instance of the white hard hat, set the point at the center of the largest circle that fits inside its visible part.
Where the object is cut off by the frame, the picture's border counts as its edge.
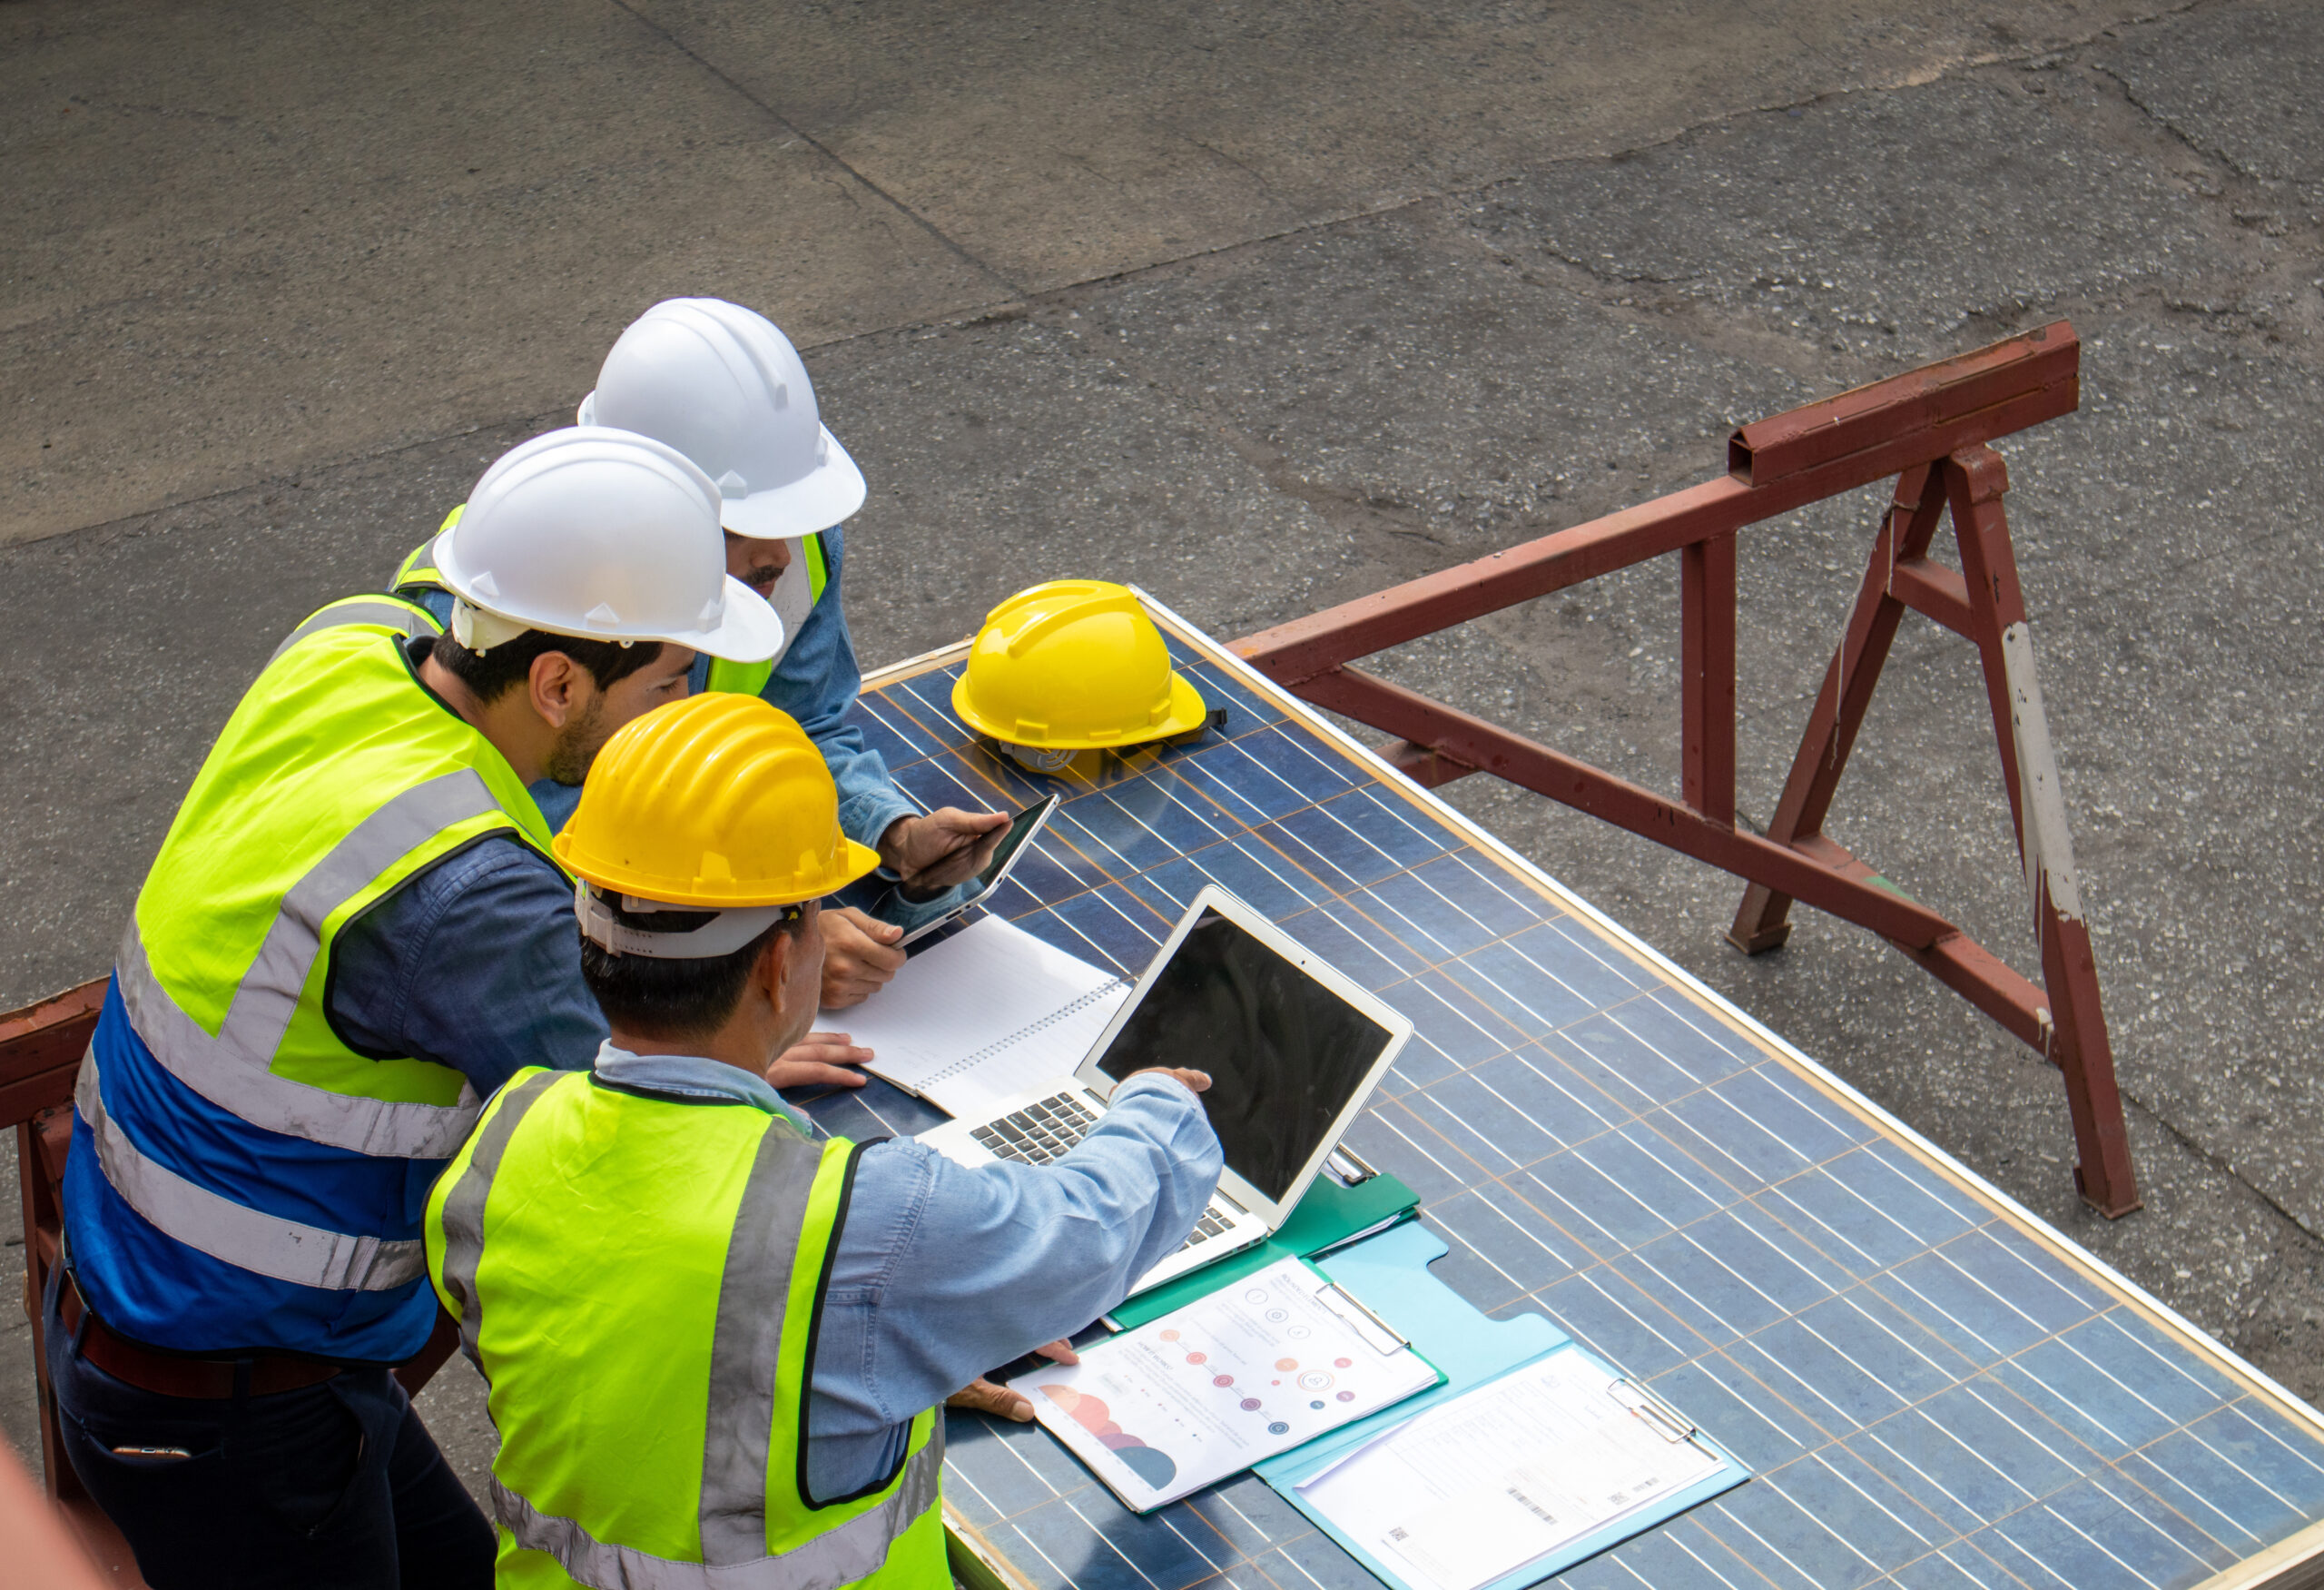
(602, 535)
(721, 385)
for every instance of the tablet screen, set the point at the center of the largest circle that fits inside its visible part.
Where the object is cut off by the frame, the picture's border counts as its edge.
(1021, 827)
(1284, 1051)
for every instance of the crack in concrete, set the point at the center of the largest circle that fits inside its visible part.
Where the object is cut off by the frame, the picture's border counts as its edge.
(1020, 299)
(2224, 1168)
(945, 239)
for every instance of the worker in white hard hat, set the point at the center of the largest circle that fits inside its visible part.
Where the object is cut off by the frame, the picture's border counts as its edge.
(354, 932)
(722, 385)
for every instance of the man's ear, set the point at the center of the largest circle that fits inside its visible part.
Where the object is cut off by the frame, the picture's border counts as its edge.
(560, 688)
(773, 969)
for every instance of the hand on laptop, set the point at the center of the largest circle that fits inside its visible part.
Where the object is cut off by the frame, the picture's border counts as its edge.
(819, 1059)
(987, 1397)
(859, 956)
(1196, 1081)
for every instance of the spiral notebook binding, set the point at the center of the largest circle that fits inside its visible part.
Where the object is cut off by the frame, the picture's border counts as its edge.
(969, 1062)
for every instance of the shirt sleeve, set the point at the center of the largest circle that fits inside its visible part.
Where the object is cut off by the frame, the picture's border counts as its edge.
(816, 682)
(944, 1272)
(474, 963)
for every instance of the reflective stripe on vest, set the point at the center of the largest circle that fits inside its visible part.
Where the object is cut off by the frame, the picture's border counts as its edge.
(247, 1238)
(231, 1069)
(754, 1365)
(380, 612)
(855, 1550)
(336, 779)
(464, 1207)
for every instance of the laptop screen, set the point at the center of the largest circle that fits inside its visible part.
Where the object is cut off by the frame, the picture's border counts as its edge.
(1284, 1051)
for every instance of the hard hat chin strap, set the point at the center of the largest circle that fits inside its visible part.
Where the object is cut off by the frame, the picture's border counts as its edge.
(726, 932)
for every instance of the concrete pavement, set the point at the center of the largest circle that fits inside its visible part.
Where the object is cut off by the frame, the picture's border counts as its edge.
(1265, 308)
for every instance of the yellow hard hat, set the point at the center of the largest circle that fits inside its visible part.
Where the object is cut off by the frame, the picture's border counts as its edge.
(713, 803)
(1073, 665)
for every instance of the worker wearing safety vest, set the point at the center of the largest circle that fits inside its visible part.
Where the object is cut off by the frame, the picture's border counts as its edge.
(353, 934)
(716, 1343)
(724, 385)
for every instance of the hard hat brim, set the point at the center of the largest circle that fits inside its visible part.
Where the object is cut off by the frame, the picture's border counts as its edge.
(827, 495)
(1186, 715)
(862, 861)
(748, 631)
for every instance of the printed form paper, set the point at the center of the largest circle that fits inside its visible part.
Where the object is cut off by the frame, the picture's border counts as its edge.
(1265, 1363)
(1479, 1485)
(989, 1013)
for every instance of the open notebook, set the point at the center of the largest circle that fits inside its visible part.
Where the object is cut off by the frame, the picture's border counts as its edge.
(989, 1013)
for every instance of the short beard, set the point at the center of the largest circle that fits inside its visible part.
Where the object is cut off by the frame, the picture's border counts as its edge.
(577, 745)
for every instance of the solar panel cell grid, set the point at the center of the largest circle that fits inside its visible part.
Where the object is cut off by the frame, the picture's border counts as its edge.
(1930, 1396)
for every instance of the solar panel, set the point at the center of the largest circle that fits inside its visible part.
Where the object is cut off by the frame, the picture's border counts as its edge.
(1934, 1390)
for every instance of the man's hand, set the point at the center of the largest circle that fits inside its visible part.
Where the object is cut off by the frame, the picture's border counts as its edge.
(859, 956)
(947, 847)
(819, 1059)
(1196, 1081)
(987, 1397)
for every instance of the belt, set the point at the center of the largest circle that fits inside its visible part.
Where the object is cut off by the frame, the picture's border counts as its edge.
(168, 1375)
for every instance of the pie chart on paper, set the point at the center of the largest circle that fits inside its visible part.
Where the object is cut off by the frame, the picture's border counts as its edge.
(1091, 1414)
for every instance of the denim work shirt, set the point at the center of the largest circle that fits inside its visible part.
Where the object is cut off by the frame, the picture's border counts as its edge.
(944, 1272)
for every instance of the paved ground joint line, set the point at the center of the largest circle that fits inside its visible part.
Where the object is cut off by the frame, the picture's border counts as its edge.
(951, 245)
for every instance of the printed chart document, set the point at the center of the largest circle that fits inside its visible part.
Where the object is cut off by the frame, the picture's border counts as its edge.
(1257, 1367)
(1485, 1483)
(990, 1012)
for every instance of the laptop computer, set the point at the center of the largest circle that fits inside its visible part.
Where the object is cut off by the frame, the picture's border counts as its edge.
(1293, 1045)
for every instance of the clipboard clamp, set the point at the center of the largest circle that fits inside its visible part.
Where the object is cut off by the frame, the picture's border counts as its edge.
(1368, 1325)
(1664, 1420)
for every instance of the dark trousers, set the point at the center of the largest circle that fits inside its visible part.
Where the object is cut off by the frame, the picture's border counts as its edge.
(332, 1487)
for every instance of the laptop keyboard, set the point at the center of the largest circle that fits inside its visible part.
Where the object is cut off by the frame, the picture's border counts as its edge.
(1041, 1132)
(1038, 1133)
(1211, 1224)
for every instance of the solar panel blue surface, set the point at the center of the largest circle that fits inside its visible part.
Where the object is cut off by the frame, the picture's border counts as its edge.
(1933, 1393)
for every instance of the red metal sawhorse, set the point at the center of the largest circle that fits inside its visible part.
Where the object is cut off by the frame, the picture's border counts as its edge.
(1930, 429)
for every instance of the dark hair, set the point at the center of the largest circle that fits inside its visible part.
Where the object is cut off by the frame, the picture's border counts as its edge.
(672, 999)
(492, 673)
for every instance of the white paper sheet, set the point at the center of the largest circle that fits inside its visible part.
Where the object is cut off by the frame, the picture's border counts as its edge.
(990, 1012)
(1204, 1391)
(1487, 1482)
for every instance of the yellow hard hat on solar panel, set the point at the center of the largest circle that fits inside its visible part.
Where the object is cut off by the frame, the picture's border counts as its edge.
(1074, 664)
(717, 802)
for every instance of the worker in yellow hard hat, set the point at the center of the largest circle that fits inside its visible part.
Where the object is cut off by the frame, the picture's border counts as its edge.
(716, 1345)
(1066, 671)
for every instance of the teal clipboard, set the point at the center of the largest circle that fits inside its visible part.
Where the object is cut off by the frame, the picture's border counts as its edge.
(1328, 1215)
(1390, 1273)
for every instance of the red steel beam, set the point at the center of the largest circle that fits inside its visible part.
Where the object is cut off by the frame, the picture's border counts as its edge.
(1491, 748)
(1776, 465)
(39, 1050)
(1706, 678)
(1928, 428)
(1914, 510)
(1958, 393)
